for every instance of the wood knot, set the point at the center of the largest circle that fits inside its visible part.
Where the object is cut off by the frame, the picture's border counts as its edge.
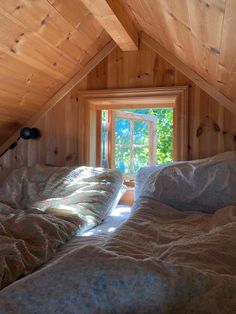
(13, 49)
(170, 71)
(44, 20)
(216, 127)
(214, 50)
(199, 131)
(68, 157)
(172, 15)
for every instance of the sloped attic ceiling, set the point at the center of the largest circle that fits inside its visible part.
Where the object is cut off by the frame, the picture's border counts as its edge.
(201, 33)
(43, 43)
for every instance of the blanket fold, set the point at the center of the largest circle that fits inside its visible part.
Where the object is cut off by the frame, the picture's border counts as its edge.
(42, 207)
(161, 260)
(28, 239)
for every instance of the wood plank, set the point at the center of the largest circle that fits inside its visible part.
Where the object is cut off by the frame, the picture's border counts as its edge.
(39, 17)
(199, 33)
(63, 91)
(194, 121)
(108, 74)
(198, 80)
(17, 41)
(82, 40)
(40, 51)
(73, 10)
(114, 19)
(99, 138)
(128, 197)
(227, 60)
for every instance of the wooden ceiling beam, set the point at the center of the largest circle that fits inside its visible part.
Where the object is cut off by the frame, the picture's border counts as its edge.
(115, 20)
(187, 71)
(62, 91)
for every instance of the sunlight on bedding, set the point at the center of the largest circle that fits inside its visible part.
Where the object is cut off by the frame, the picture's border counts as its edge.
(120, 210)
(116, 217)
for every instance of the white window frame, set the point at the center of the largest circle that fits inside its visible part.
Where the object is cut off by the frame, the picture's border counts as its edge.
(130, 116)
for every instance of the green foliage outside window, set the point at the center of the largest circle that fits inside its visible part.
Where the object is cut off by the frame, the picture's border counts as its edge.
(141, 138)
(164, 133)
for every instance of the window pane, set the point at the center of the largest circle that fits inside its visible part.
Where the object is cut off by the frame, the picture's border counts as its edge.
(104, 139)
(122, 132)
(141, 132)
(165, 135)
(141, 157)
(122, 159)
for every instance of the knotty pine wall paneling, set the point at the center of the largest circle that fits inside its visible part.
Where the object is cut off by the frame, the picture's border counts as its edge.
(63, 140)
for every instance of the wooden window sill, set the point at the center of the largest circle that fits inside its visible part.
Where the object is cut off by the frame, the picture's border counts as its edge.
(128, 197)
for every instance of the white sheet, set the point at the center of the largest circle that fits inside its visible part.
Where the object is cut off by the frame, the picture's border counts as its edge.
(99, 234)
(161, 260)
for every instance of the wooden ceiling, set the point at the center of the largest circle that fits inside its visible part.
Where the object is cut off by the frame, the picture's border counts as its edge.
(201, 33)
(43, 43)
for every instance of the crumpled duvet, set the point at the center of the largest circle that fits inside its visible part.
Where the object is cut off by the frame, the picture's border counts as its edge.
(42, 207)
(162, 260)
(29, 238)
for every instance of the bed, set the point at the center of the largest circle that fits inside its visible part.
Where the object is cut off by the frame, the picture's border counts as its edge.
(173, 252)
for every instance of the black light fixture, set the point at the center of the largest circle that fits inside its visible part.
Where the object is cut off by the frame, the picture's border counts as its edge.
(26, 134)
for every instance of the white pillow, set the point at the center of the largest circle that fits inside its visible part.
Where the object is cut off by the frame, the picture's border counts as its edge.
(203, 185)
(141, 177)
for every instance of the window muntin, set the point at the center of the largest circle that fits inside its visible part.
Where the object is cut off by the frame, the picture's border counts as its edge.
(133, 141)
(128, 153)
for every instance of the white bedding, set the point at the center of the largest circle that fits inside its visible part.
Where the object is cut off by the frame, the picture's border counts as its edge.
(204, 185)
(42, 207)
(161, 260)
(98, 234)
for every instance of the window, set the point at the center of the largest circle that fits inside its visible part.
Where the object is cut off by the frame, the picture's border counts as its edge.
(135, 142)
(93, 103)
